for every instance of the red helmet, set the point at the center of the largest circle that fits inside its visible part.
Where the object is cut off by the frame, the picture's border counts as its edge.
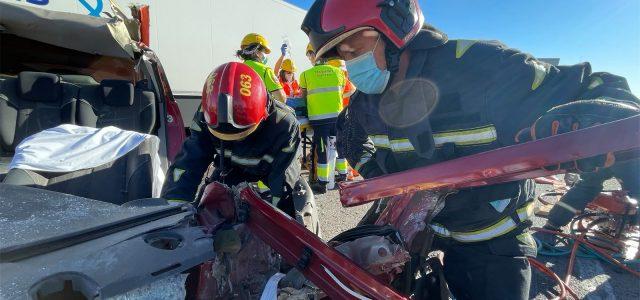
(329, 22)
(234, 101)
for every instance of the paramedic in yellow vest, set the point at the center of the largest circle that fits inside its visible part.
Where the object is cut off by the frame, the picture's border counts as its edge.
(254, 49)
(323, 87)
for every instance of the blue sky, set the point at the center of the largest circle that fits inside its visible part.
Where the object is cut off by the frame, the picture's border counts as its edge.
(604, 32)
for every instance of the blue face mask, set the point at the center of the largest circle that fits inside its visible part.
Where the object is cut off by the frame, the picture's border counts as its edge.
(366, 76)
(263, 58)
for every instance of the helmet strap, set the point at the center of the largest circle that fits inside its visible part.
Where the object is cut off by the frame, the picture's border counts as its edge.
(392, 57)
(270, 104)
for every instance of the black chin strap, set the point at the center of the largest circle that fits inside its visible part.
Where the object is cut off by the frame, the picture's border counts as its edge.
(392, 56)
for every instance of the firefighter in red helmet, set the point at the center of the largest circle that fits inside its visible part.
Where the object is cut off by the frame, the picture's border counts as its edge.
(424, 99)
(246, 136)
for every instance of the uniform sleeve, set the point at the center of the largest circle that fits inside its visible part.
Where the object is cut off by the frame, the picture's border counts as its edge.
(576, 199)
(185, 174)
(271, 81)
(603, 85)
(285, 170)
(355, 145)
(589, 186)
(303, 81)
(519, 88)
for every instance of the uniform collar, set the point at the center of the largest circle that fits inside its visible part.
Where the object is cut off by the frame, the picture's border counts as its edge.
(428, 38)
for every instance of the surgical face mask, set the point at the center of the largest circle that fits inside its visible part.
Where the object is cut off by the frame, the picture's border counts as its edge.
(288, 77)
(263, 57)
(366, 75)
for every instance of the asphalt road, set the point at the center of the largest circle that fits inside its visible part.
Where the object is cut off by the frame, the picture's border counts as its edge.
(591, 279)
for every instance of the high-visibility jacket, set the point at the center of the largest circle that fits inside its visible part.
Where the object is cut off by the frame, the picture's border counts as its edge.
(324, 85)
(268, 76)
(349, 89)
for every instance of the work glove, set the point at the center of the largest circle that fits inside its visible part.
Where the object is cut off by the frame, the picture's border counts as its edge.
(578, 115)
(283, 49)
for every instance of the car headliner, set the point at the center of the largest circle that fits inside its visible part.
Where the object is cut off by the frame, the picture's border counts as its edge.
(95, 35)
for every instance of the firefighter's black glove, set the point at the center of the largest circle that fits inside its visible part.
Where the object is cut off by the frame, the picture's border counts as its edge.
(578, 115)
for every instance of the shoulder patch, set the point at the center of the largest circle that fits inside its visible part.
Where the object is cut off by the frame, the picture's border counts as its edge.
(282, 113)
(177, 174)
(500, 205)
(462, 46)
(540, 72)
(194, 126)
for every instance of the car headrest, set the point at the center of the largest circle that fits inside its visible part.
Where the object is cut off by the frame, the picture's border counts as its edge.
(79, 79)
(117, 92)
(39, 87)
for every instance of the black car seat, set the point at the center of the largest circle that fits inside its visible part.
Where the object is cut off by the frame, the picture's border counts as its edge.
(29, 103)
(125, 179)
(116, 103)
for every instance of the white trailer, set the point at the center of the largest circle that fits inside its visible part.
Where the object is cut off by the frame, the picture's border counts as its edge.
(192, 37)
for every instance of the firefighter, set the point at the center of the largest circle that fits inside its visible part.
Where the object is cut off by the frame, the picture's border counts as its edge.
(254, 49)
(248, 138)
(323, 87)
(423, 99)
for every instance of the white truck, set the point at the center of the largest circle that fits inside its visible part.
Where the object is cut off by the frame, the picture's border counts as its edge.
(192, 37)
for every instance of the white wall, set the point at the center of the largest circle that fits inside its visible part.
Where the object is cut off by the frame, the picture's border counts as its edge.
(192, 37)
(205, 34)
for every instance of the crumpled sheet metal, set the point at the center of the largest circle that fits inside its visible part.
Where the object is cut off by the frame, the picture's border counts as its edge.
(376, 254)
(239, 275)
(408, 212)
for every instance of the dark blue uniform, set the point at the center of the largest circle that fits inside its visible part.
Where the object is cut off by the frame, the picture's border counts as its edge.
(589, 186)
(269, 154)
(462, 97)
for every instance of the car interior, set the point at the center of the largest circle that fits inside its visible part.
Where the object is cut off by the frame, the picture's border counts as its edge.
(32, 101)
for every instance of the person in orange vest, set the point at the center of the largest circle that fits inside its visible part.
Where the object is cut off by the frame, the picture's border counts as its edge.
(285, 68)
(288, 80)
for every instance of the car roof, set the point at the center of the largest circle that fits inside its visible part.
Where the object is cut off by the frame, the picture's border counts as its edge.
(95, 35)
